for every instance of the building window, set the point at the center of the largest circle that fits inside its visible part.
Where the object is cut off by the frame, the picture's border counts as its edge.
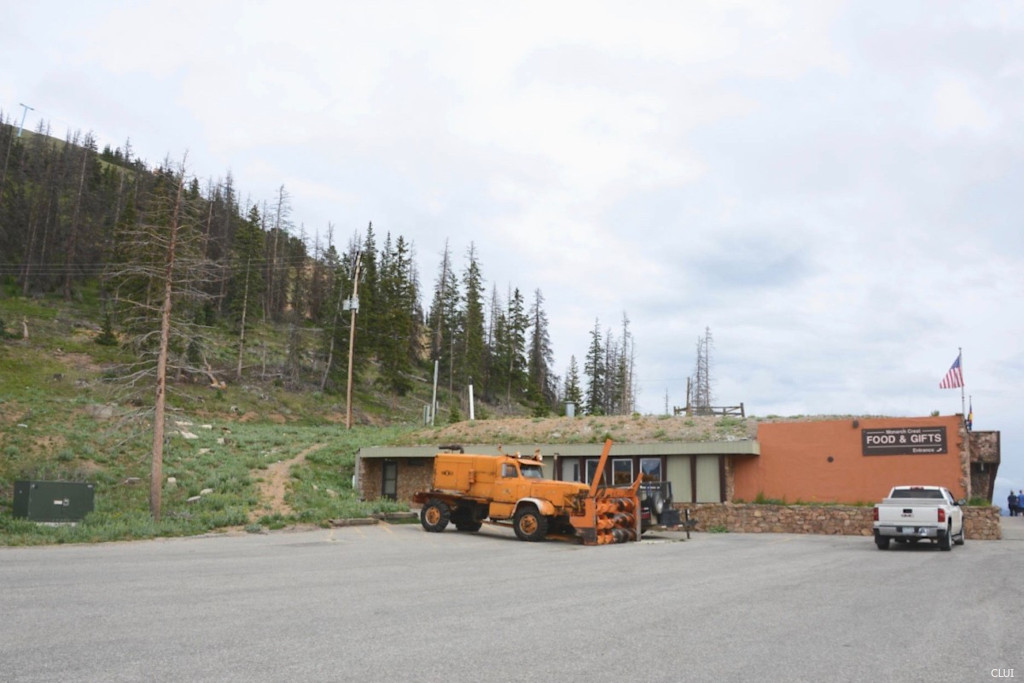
(622, 471)
(591, 469)
(651, 469)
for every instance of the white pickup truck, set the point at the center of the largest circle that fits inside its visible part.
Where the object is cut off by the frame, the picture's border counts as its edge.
(911, 513)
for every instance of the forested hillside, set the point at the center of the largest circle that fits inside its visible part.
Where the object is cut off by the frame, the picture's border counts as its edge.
(157, 242)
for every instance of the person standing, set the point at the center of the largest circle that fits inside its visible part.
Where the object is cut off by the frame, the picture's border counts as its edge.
(1012, 501)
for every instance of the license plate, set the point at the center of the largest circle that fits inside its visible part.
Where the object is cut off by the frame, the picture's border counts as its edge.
(907, 530)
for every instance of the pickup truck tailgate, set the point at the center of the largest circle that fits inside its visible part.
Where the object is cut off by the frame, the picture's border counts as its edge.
(907, 510)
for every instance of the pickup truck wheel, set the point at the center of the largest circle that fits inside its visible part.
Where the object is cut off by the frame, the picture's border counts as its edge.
(435, 515)
(529, 524)
(882, 542)
(944, 543)
(959, 538)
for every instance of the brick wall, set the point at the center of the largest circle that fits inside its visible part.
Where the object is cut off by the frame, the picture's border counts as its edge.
(414, 474)
(980, 523)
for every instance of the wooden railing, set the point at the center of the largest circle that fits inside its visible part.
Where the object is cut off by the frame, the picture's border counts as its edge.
(690, 411)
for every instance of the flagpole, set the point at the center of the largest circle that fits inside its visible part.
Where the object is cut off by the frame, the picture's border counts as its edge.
(963, 404)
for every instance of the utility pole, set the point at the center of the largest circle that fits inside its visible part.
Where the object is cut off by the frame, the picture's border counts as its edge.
(353, 305)
(23, 114)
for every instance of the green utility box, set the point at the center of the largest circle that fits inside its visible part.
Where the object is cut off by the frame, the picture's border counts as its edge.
(53, 501)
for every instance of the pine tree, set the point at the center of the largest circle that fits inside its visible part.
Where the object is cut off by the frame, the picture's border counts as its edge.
(397, 316)
(594, 371)
(298, 275)
(82, 235)
(572, 392)
(542, 382)
(443, 319)
(517, 325)
(625, 364)
(497, 343)
(333, 296)
(371, 314)
(471, 335)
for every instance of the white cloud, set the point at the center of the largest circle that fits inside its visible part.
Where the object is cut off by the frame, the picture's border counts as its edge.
(955, 109)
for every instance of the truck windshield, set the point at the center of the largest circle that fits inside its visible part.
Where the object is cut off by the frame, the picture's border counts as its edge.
(531, 471)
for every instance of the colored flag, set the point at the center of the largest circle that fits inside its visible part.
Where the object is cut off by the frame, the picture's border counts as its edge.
(954, 378)
(970, 415)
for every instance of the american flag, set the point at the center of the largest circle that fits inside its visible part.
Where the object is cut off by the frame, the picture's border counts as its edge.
(954, 378)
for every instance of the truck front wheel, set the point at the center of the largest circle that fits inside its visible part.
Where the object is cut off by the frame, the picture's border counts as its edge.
(435, 515)
(529, 524)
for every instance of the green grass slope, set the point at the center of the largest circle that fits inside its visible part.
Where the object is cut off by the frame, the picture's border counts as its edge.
(62, 418)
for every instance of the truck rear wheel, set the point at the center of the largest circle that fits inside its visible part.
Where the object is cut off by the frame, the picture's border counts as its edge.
(435, 515)
(943, 539)
(882, 542)
(529, 524)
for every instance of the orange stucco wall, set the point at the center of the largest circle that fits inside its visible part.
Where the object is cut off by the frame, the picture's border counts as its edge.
(794, 462)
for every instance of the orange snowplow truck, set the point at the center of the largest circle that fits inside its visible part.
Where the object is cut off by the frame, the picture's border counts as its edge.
(468, 490)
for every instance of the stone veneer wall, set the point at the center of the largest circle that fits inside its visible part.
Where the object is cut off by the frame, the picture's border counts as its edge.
(985, 458)
(980, 523)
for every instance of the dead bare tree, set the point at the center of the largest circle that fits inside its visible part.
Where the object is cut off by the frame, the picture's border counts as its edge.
(160, 280)
(157, 459)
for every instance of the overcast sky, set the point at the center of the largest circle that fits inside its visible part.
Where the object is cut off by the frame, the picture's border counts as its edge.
(832, 188)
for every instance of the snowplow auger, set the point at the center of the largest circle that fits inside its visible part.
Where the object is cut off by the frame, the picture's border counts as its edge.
(610, 514)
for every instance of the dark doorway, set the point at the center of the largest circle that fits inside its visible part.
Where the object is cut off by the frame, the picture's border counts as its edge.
(389, 481)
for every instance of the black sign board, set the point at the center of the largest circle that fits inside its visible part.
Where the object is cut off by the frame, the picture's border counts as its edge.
(903, 441)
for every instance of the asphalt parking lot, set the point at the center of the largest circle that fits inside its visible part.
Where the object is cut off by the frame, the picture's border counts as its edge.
(394, 603)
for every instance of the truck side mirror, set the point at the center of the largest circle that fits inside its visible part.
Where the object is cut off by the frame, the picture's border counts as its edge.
(962, 502)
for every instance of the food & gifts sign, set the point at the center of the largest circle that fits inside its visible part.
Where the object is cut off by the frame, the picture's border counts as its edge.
(903, 441)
